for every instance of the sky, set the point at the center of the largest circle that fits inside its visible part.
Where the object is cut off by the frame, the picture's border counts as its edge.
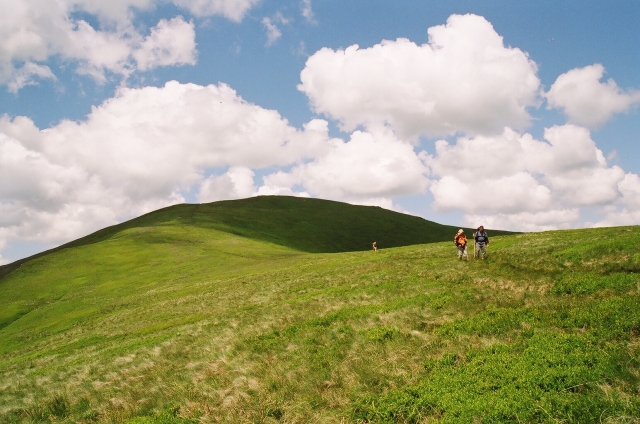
(513, 115)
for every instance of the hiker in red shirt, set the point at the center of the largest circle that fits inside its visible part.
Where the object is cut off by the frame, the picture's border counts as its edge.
(461, 242)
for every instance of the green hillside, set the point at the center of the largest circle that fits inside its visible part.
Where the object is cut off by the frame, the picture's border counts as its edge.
(176, 318)
(306, 224)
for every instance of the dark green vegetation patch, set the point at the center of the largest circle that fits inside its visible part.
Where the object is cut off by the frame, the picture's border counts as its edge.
(176, 323)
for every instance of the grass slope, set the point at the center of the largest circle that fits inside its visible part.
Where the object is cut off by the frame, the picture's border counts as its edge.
(179, 323)
(309, 225)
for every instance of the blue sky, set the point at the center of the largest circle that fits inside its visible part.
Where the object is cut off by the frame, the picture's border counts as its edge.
(515, 115)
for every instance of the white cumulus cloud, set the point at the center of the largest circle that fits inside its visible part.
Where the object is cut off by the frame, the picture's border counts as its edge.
(139, 151)
(28, 74)
(463, 80)
(236, 183)
(524, 183)
(510, 193)
(626, 210)
(33, 31)
(630, 189)
(370, 168)
(526, 221)
(170, 43)
(586, 100)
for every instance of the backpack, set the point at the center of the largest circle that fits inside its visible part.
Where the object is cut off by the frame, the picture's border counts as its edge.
(481, 236)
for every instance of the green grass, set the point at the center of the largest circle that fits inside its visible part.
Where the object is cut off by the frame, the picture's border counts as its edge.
(180, 322)
(304, 224)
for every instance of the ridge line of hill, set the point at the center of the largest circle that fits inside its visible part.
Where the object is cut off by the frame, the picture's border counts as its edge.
(306, 224)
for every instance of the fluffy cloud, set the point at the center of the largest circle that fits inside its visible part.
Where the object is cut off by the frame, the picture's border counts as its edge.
(463, 80)
(626, 210)
(630, 189)
(137, 152)
(526, 221)
(514, 181)
(46, 201)
(615, 217)
(28, 74)
(32, 31)
(587, 101)
(509, 193)
(370, 168)
(170, 43)
(234, 184)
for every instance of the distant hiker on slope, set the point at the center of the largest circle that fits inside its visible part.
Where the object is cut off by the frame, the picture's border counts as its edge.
(482, 242)
(375, 246)
(461, 242)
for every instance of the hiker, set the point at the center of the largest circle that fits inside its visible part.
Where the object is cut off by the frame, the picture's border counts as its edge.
(375, 246)
(482, 242)
(461, 242)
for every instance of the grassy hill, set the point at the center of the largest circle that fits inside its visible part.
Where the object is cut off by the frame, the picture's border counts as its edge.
(305, 224)
(167, 321)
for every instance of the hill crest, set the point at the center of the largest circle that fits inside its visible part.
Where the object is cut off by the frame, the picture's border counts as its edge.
(306, 224)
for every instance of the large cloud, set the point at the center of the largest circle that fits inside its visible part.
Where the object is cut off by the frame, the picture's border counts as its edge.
(371, 168)
(136, 152)
(587, 101)
(31, 31)
(526, 221)
(524, 183)
(626, 210)
(170, 43)
(464, 80)
(234, 184)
